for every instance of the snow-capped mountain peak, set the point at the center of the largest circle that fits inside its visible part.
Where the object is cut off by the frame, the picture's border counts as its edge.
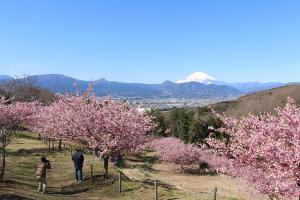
(200, 77)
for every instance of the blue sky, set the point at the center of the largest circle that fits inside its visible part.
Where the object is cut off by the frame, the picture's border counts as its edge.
(152, 40)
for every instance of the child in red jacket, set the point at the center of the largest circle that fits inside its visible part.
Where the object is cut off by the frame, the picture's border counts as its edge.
(41, 173)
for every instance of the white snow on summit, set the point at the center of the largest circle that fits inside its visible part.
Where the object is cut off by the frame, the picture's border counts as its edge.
(200, 77)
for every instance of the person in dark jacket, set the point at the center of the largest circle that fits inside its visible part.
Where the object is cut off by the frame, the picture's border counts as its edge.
(78, 160)
(41, 173)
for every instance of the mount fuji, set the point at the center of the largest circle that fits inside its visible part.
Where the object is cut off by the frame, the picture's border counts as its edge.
(247, 87)
(196, 85)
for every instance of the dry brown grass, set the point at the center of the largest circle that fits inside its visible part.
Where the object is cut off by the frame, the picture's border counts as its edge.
(260, 102)
(197, 186)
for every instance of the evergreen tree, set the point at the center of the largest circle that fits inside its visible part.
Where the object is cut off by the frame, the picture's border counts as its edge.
(173, 122)
(198, 131)
(160, 121)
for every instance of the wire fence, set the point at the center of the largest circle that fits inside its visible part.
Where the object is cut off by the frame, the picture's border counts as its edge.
(212, 195)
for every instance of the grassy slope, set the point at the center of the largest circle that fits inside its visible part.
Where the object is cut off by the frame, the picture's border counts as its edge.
(260, 102)
(197, 186)
(24, 154)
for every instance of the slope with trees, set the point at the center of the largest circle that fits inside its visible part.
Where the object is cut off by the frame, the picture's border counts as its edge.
(110, 127)
(263, 150)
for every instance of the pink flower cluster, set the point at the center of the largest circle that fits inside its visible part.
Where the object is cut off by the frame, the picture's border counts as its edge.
(17, 114)
(176, 151)
(107, 125)
(263, 150)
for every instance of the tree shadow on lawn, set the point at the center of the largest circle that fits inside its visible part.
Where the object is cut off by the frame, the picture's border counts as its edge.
(9, 183)
(96, 178)
(197, 172)
(142, 162)
(13, 197)
(67, 190)
(142, 158)
(159, 183)
(30, 152)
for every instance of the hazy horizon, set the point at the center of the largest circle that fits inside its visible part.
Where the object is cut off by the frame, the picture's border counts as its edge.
(178, 81)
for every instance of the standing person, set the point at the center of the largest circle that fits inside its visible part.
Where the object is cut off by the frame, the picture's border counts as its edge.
(78, 160)
(41, 173)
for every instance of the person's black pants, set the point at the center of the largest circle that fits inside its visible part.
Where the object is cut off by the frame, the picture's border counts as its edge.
(78, 174)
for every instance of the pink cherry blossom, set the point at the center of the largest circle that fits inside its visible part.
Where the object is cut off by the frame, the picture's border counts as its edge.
(176, 151)
(12, 117)
(264, 150)
(110, 126)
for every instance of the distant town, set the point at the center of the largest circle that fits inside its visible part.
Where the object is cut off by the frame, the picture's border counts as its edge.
(167, 103)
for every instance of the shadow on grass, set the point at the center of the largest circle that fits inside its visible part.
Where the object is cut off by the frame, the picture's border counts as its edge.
(159, 183)
(31, 152)
(198, 172)
(131, 189)
(26, 135)
(142, 158)
(68, 191)
(20, 183)
(13, 197)
(98, 177)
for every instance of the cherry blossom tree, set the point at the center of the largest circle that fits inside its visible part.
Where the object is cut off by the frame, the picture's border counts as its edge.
(12, 117)
(263, 150)
(106, 125)
(176, 151)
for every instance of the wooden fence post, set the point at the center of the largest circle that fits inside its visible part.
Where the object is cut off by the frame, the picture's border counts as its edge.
(120, 182)
(215, 193)
(156, 192)
(92, 174)
(59, 145)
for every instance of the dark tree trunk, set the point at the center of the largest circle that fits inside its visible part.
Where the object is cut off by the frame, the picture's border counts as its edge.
(59, 145)
(3, 163)
(117, 160)
(49, 145)
(53, 149)
(106, 158)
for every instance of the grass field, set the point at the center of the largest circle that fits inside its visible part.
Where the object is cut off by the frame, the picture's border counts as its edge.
(25, 151)
(197, 186)
(23, 156)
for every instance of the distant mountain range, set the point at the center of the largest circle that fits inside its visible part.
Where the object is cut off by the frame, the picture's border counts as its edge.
(62, 84)
(246, 87)
(251, 87)
(4, 77)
